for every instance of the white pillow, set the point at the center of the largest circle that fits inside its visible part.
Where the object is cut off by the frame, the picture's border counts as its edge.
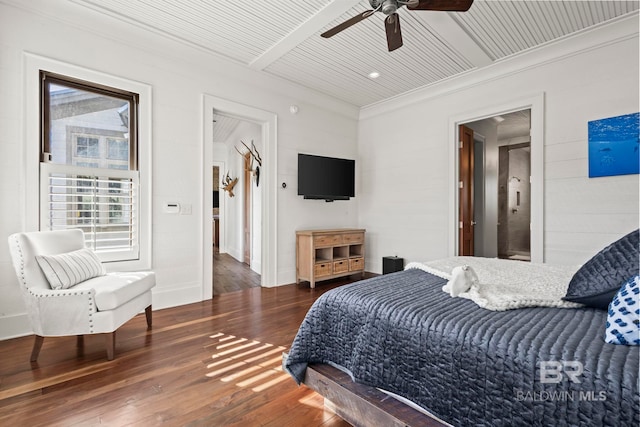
(68, 269)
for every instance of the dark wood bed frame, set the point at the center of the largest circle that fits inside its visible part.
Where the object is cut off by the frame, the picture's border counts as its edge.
(362, 405)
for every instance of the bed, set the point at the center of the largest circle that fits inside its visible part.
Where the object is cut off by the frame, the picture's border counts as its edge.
(453, 362)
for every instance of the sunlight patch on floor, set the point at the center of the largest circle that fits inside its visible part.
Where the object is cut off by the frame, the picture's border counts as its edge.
(232, 343)
(247, 363)
(314, 400)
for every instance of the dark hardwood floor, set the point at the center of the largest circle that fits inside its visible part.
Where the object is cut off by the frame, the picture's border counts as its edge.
(213, 363)
(230, 275)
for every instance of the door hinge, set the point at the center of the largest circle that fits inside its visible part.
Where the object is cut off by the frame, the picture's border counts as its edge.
(460, 225)
(461, 184)
(460, 144)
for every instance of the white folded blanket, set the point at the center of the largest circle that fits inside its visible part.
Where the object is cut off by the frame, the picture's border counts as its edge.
(506, 284)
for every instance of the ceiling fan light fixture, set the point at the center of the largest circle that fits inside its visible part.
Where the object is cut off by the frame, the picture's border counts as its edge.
(373, 75)
(389, 7)
(392, 20)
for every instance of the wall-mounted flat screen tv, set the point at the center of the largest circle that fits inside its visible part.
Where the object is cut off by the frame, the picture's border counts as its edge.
(327, 178)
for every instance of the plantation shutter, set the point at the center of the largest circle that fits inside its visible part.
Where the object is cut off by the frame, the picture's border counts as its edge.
(101, 202)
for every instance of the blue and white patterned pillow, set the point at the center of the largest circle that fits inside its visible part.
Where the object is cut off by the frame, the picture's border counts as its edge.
(623, 321)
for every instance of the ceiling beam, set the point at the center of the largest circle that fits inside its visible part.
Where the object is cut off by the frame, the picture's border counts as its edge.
(455, 37)
(322, 18)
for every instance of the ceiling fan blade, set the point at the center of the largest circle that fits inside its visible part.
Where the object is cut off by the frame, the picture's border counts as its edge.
(394, 36)
(346, 24)
(442, 5)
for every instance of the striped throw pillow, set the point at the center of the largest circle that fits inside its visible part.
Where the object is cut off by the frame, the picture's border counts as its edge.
(68, 269)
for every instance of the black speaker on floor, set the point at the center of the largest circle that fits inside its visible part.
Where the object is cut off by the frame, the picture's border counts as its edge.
(391, 264)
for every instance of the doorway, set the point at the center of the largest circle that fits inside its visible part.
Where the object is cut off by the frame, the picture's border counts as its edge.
(229, 274)
(265, 212)
(514, 202)
(494, 195)
(237, 143)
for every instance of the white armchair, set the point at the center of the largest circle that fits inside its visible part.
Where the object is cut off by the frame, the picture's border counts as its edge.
(98, 305)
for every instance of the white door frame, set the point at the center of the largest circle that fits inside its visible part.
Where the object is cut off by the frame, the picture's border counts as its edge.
(268, 178)
(536, 104)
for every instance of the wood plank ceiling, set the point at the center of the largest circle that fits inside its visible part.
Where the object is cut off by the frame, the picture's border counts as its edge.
(223, 127)
(282, 37)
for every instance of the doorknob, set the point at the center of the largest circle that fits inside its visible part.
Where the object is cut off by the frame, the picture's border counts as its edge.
(473, 223)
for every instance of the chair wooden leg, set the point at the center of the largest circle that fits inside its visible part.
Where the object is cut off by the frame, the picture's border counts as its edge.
(37, 345)
(148, 313)
(111, 345)
(80, 345)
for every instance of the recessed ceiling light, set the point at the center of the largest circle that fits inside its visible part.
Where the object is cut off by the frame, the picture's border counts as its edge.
(374, 75)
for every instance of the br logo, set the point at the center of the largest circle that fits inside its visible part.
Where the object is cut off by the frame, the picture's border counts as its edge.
(553, 371)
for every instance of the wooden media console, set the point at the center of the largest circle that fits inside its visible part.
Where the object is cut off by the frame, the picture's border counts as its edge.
(327, 254)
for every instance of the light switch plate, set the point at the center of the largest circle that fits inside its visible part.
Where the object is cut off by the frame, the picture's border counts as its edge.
(185, 209)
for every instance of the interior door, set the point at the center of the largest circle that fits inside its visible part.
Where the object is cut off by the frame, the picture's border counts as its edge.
(465, 192)
(247, 209)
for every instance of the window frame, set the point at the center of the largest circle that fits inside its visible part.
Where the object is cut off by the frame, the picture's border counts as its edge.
(31, 132)
(47, 78)
(98, 228)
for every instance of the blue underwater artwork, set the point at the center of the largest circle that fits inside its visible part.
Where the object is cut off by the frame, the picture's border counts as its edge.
(614, 146)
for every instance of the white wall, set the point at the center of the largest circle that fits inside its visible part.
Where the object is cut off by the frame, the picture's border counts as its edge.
(179, 75)
(403, 148)
(296, 213)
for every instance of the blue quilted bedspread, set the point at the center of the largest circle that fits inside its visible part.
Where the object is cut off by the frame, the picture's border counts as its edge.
(467, 365)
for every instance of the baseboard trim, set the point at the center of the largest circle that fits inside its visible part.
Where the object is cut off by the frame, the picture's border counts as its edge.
(14, 326)
(167, 297)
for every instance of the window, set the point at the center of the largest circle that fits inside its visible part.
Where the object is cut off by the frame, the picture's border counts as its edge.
(98, 150)
(89, 176)
(87, 147)
(118, 149)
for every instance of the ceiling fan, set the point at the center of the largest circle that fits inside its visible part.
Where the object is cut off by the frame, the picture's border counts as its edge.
(392, 21)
